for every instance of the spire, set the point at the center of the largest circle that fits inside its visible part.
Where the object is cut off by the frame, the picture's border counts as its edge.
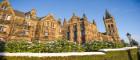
(64, 22)
(59, 21)
(33, 13)
(73, 14)
(94, 22)
(107, 14)
(84, 15)
(103, 18)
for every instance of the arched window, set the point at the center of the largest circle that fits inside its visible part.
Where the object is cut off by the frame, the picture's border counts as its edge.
(82, 27)
(75, 27)
(68, 28)
(1, 28)
(112, 27)
(109, 26)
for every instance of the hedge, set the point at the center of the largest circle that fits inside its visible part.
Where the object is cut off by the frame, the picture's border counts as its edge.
(55, 46)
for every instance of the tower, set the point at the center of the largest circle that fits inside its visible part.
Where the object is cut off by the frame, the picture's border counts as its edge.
(110, 25)
(64, 29)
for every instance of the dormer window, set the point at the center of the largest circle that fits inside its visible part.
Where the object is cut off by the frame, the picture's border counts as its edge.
(4, 7)
(27, 16)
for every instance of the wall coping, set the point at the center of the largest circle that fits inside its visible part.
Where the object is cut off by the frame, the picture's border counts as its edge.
(52, 54)
(118, 49)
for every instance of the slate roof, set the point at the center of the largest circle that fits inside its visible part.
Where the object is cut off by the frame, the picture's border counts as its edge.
(19, 13)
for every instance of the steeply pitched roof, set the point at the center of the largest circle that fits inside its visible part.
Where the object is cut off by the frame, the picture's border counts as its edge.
(19, 13)
(107, 14)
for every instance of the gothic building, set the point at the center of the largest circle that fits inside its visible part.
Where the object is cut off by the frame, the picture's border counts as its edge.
(16, 25)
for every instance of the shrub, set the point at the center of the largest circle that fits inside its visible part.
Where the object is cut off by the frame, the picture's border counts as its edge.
(55, 46)
(17, 46)
(96, 45)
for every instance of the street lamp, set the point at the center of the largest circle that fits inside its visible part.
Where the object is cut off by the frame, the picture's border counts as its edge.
(130, 39)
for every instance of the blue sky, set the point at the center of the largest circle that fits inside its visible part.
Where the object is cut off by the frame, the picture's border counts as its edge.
(126, 12)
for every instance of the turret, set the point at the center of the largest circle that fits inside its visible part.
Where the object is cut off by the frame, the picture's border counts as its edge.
(84, 16)
(33, 14)
(94, 22)
(64, 22)
(107, 15)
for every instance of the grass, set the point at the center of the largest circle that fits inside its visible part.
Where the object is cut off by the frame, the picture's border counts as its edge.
(130, 54)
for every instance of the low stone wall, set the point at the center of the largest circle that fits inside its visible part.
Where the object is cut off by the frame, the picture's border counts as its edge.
(127, 53)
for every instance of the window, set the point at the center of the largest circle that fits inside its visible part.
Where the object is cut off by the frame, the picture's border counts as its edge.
(109, 26)
(0, 16)
(8, 17)
(25, 32)
(68, 35)
(68, 28)
(75, 27)
(48, 24)
(27, 16)
(4, 16)
(83, 33)
(112, 26)
(4, 7)
(46, 33)
(82, 27)
(75, 36)
(1, 28)
(53, 25)
(29, 23)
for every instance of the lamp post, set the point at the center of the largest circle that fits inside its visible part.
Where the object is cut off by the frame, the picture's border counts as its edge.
(129, 38)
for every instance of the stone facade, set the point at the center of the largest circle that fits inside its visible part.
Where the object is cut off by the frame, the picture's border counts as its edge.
(81, 30)
(18, 25)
